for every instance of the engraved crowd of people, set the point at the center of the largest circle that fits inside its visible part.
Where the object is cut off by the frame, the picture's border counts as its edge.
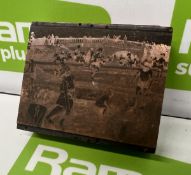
(96, 57)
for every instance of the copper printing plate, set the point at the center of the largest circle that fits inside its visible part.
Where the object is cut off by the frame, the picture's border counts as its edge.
(97, 81)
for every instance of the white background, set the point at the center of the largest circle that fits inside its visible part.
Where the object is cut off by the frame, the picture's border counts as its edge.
(175, 134)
